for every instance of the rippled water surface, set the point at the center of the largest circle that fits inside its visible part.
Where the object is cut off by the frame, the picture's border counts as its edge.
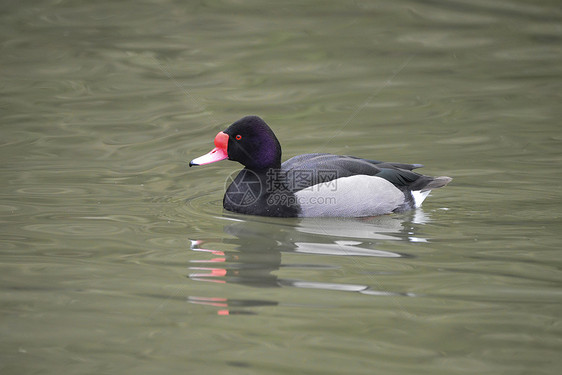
(116, 258)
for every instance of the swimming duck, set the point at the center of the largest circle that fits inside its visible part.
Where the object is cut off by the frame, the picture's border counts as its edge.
(312, 185)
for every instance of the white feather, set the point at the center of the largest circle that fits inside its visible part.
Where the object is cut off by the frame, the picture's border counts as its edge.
(419, 196)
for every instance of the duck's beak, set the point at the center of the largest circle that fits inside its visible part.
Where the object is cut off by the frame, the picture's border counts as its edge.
(220, 152)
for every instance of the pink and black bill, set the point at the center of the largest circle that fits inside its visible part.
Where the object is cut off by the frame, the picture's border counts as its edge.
(220, 152)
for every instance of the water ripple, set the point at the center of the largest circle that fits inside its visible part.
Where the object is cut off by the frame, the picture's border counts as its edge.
(82, 229)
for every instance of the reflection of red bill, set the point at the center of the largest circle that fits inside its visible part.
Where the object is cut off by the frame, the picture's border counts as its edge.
(220, 152)
(196, 243)
(210, 275)
(212, 272)
(214, 260)
(211, 301)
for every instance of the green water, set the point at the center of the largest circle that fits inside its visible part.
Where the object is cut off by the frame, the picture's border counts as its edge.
(116, 258)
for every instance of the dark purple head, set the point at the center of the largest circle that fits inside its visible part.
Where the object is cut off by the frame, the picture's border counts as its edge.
(250, 142)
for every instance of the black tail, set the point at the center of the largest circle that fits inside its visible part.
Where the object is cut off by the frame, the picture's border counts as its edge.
(436, 182)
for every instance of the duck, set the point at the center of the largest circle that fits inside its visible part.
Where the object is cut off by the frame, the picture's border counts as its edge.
(311, 185)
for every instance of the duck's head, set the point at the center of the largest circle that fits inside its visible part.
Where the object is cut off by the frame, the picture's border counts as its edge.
(249, 141)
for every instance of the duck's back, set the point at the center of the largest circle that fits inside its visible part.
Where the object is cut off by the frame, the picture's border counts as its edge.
(334, 185)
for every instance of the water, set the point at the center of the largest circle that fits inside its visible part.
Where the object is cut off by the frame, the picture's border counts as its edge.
(117, 258)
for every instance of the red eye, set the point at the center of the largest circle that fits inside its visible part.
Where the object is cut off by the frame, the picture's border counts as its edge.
(238, 137)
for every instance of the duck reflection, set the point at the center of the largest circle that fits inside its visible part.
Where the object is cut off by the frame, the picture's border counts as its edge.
(254, 252)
